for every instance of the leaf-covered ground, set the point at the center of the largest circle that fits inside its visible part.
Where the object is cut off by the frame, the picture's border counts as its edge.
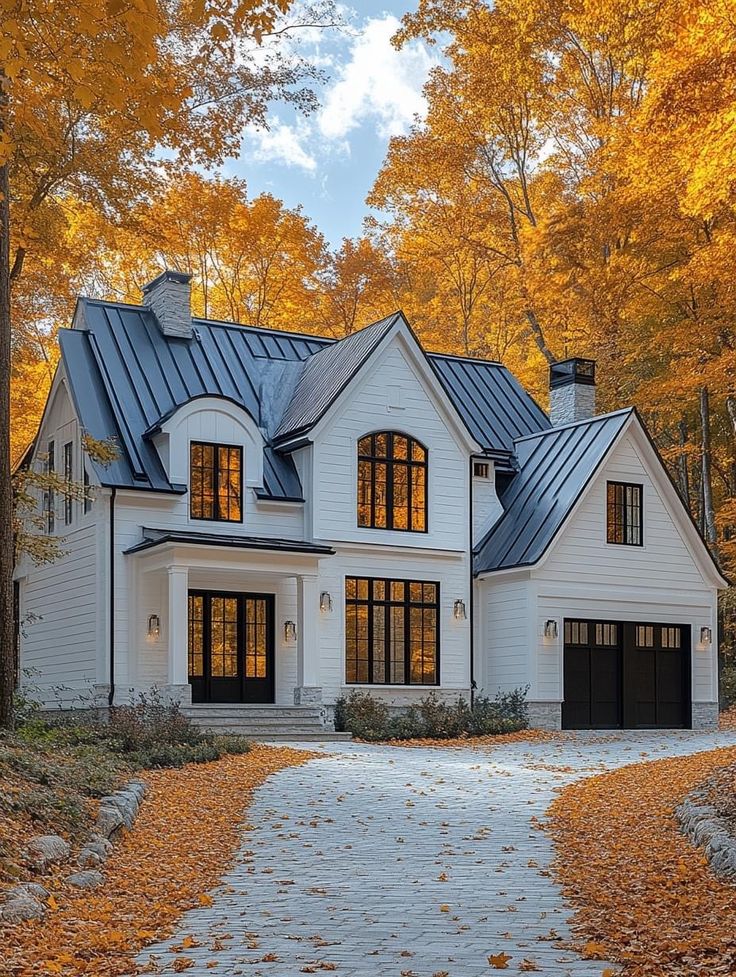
(182, 842)
(643, 894)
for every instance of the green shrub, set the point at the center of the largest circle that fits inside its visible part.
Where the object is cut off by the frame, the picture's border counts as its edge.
(370, 719)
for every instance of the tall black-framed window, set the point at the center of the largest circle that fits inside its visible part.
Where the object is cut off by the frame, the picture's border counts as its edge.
(392, 482)
(50, 495)
(216, 481)
(68, 472)
(625, 513)
(87, 492)
(391, 632)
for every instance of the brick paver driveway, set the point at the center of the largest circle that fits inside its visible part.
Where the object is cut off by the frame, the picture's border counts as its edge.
(386, 861)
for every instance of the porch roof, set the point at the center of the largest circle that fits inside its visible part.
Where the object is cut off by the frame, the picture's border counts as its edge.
(157, 537)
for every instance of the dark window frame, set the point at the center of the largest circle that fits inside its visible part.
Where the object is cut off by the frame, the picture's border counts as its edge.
(87, 504)
(481, 469)
(68, 455)
(50, 495)
(391, 463)
(621, 523)
(217, 515)
(388, 603)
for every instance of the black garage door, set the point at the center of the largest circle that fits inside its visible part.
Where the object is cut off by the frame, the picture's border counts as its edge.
(619, 674)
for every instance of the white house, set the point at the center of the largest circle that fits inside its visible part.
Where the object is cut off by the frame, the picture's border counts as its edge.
(290, 517)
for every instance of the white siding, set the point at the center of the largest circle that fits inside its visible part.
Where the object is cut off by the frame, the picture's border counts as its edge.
(658, 582)
(369, 408)
(59, 601)
(505, 609)
(486, 506)
(452, 574)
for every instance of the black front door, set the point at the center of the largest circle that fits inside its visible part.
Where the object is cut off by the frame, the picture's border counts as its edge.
(231, 648)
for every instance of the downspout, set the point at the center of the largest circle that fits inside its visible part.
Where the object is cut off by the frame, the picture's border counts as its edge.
(111, 696)
(472, 580)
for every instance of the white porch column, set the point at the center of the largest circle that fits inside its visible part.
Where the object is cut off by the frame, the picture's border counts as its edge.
(177, 645)
(308, 689)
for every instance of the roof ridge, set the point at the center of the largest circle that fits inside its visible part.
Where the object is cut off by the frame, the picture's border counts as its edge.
(588, 420)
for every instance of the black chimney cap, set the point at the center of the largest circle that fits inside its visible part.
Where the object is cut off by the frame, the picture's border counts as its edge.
(574, 370)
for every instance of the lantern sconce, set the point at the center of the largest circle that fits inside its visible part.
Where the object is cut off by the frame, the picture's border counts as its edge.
(325, 602)
(154, 626)
(458, 610)
(289, 632)
(706, 636)
(550, 629)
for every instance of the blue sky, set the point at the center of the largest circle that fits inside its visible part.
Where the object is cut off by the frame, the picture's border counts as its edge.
(328, 161)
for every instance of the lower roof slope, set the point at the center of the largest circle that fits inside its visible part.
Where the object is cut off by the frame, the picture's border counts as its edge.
(555, 466)
(125, 376)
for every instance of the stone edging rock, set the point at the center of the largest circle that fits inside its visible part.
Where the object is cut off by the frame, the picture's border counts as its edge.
(700, 822)
(117, 811)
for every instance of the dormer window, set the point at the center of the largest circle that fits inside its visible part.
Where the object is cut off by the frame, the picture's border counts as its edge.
(216, 484)
(392, 482)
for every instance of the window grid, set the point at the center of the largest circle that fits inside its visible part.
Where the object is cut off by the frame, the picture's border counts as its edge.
(68, 471)
(391, 631)
(624, 513)
(224, 637)
(196, 636)
(392, 482)
(255, 638)
(216, 489)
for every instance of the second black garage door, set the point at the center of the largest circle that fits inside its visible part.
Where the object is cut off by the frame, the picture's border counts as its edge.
(618, 674)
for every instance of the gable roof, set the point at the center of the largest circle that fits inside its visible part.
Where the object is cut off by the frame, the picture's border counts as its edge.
(555, 467)
(125, 377)
(326, 374)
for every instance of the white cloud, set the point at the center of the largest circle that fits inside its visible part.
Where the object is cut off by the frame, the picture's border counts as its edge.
(282, 143)
(376, 83)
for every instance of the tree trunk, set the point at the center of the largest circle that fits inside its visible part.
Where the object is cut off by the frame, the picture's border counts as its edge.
(7, 626)
(682, 465)
(709, 517)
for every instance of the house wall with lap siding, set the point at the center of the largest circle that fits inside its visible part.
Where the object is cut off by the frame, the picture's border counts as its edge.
(504, 608)
(449, 570)
(659, 582)
(59, 602)
(391, 396)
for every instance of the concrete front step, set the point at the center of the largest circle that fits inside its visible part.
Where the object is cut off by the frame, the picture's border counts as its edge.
(263, 722)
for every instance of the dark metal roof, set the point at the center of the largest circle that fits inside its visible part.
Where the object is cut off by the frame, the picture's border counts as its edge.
(326, 374)
(156, 537)
(491, 401)
(126, 378)
(555, 466)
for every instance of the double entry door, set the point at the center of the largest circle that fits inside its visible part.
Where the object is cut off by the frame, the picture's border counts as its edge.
(231, 646)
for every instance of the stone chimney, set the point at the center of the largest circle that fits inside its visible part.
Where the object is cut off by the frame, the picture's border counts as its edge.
(169, 298)
(571, 391)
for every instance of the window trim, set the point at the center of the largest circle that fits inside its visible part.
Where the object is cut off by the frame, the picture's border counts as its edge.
(68, 455)
(50, 499)
(216, 482)
(624, 542)
(481, 470)
(390, 462)
(387, 603)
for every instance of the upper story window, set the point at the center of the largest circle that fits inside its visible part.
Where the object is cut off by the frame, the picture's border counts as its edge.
(68, 473)
(50, 495)
(216, 485)
(625, 513)
(392, 482)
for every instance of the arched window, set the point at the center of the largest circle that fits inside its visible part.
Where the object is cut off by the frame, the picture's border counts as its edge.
(392, 482)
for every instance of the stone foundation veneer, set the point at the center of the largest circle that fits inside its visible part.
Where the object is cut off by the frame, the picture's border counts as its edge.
(705, 715)
(545, 715)
(307, 695)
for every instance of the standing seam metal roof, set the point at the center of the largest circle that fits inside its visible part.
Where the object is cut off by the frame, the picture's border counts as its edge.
(554, 468)
(125, 376)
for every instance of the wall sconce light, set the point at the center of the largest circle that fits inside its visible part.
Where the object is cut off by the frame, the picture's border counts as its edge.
(458, 610)
(550, 629)
(706, 636)
(154, 626)
(325, 602)
(289, 632)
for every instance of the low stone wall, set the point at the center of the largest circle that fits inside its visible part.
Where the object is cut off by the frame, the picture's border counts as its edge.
(545, 715)
(117, 812)
(701, 823)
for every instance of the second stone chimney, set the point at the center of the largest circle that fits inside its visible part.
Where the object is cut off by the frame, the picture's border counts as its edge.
(571, 391)
(169, 298)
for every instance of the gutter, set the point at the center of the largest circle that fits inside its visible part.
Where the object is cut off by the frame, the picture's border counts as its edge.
(111, 695)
